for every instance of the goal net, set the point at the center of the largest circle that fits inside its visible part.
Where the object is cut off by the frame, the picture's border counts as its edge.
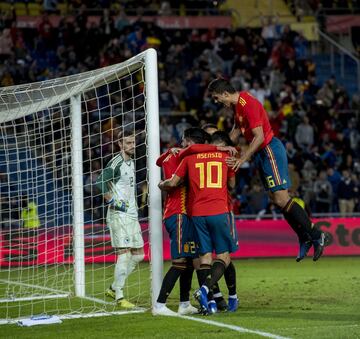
(56, 137)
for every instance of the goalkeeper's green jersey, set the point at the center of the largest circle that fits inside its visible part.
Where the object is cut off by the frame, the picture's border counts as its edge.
(118, 179)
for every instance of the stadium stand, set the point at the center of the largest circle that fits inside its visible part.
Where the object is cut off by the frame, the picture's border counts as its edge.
(272, 62)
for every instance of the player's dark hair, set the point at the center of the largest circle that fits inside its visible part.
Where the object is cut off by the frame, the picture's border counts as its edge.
(209, 125)
(219, 86)
(221, 136)
(125, 133)
(196, 135)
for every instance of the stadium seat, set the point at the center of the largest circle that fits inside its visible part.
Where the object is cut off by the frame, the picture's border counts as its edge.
(34, 9)
(62, 8)
(5, 8)
(20, 8)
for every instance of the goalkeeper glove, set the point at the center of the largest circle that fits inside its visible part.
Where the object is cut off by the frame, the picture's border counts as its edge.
(119, 205)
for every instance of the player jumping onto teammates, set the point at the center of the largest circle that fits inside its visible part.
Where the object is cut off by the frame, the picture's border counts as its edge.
(208, 178)
(251, 120)
(117, 184)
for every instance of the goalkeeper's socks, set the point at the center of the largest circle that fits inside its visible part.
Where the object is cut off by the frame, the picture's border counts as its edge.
(169, 281)
(133, 261)
(121, 269)
(230, 278)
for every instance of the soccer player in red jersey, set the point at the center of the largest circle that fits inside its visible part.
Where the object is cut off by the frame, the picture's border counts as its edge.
(179, 227)
(251, 120)
(208, 176)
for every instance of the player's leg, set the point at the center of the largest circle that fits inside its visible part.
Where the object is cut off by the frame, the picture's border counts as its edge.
(222, 241)
(230, 272)
(136, 242)
(191, 254)
(120, 243)
(230, 278)
(205, 252)
(273, 165)
(174, 226)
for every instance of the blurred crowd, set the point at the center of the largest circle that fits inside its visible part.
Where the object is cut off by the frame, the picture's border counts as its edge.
(318, 123)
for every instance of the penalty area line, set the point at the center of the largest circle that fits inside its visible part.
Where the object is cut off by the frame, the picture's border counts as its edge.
(234, 328)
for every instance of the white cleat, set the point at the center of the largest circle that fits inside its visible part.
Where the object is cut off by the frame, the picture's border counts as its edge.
(163, 310)
(186, 310)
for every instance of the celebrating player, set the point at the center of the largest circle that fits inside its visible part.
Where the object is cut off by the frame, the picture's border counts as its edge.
(208, 177)
(117, 183)
(182, 238)
(252, 121)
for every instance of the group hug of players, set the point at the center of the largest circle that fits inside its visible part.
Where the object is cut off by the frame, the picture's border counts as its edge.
(198, 212)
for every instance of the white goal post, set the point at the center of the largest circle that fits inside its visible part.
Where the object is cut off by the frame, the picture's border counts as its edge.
(55, 138)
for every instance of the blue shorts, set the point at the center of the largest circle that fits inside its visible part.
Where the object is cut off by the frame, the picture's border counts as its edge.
(182, 236)
(214, 233)
(273, 165)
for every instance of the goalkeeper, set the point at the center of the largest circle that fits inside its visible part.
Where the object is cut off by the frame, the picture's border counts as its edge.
(117, 184)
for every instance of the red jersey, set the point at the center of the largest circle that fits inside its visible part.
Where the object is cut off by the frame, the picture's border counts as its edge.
(207, 175)
(175, 202)
(250, 114)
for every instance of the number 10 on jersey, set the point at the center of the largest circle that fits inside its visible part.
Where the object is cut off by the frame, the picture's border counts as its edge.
(206, 174)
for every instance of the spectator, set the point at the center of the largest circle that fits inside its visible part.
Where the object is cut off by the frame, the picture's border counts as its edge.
(347, 192)
(323, 193)
(304, 135)
(29, 214)
(258, 92)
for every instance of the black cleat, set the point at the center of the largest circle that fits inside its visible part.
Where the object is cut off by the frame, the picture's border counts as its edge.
(319, 245)
(221, 304)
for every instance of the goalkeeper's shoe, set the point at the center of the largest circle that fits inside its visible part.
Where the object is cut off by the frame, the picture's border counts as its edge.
(319, 245)
(163, 310)
(212, 307)
(221, 304)
(304, 249)
(201, 296)
(124, 303)
(110, 292)
(186, 310)
(233, 304)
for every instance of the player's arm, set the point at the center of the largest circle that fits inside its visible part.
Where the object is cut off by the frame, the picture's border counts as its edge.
(105, 184)
(256, 142)
(177, 178)
(169, 184)
(231, 182)
(162, 157)
(235, 134)
(104, 181)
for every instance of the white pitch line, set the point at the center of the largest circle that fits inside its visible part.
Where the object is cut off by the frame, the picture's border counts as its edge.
(235, 328)
(30, 285)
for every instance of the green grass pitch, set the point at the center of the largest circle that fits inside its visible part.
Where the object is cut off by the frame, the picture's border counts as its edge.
(278, 296)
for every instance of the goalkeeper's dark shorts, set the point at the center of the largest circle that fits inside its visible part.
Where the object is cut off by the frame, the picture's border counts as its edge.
(182, 236)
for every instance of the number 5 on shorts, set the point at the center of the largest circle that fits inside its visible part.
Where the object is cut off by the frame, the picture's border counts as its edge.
(270, 181)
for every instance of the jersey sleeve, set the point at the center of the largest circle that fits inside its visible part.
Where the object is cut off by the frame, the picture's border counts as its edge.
(181, 170)
(162, 157)
(104, 179)
(253, 111)
(196, 148)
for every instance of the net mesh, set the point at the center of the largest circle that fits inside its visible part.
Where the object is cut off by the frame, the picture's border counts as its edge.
(36, 237)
